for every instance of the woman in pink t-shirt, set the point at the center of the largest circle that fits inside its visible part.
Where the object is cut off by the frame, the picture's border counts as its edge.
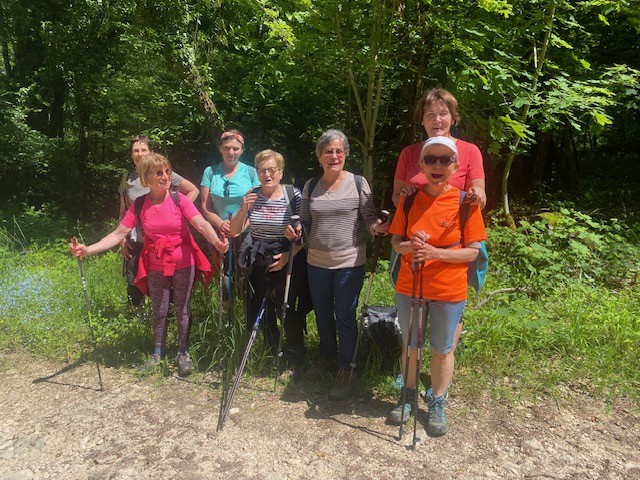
(170, 259)
(437, 111)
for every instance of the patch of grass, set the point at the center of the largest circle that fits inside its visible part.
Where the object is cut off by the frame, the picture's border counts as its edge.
(518, 345)
(581, 335)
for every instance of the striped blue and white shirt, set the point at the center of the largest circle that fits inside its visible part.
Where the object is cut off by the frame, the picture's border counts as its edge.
(269, 218)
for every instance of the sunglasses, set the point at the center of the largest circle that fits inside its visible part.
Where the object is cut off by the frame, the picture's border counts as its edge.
(225, 187)
(445, 160)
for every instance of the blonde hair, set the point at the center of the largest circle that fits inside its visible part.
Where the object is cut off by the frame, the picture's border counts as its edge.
(265, 155)
(437, 95)
(149, 165)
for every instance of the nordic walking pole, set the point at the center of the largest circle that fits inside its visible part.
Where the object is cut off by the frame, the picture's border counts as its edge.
(409, 339)
(419, 356)
(295, 223)
(384, 216)
(230, 276)
(220, 312)
(74, 241)
(236, 381)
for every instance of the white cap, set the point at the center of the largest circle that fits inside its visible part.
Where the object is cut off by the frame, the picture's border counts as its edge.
(440, 140)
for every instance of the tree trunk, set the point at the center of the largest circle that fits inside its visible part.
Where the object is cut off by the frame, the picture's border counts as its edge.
(539, 65)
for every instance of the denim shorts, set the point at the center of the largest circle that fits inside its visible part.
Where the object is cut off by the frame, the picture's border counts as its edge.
(443, 321)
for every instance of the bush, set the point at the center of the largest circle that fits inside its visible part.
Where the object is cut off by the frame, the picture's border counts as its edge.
(558, 247)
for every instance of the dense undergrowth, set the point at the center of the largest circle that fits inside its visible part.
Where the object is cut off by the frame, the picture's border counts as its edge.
(560, 309)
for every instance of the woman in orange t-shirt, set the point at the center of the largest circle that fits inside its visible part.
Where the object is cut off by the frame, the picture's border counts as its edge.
(429, 239)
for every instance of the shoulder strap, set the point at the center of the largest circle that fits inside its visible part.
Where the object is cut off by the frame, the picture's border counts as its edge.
(408, 203)
(359, 181)
(406, 206)
(176, 198)
(123, 187)
(137, 209)
(312, 185)
(289, 198)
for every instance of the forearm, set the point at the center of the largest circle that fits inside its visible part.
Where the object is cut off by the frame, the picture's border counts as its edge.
(456, 255)
(236, 225)
(478, 187)
(212, 218)
(398, 185)
(108, 242)
(189, 190)
(207, 231)
(400, 245)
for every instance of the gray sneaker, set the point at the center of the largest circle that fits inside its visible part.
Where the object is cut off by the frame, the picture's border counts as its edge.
(397, 417)
(437, 423)
(185, 364)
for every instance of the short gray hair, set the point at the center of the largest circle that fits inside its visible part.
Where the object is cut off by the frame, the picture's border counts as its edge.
(328, 137)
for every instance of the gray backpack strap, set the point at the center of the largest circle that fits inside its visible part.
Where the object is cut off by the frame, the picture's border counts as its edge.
(123, 187)
(359, 182)
(312, 185)
(289, 198)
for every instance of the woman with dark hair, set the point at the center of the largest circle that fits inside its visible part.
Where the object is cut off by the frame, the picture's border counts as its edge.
(437, 112)
(337, 210)
(131, 188)
(170, 260)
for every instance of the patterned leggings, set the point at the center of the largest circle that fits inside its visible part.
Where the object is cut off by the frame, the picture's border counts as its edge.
(160, 290)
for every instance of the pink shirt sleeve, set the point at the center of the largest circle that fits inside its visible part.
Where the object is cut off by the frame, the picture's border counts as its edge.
(189, 210)
(130, 220)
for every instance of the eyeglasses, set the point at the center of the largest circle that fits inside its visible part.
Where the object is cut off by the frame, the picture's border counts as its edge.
(445, 160)
(225, 187)
(270, 171)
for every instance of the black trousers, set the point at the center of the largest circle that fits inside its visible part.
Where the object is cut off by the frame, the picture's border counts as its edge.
(295, 322)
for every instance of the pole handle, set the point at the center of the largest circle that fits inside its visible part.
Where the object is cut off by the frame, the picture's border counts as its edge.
(295, 223)
(384, 216)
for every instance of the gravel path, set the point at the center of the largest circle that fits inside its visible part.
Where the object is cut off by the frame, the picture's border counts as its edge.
(57, 425)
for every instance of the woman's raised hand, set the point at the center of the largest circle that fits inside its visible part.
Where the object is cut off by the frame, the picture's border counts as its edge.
(408, 190)
(420, 247)
(248, 200)
(293, 233)
(225, 228)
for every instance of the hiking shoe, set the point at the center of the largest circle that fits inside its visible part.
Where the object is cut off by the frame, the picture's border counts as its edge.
(185, 364)
(315, 372)
(437, 423)
(341, 387)
(152, 362)
(403, 411)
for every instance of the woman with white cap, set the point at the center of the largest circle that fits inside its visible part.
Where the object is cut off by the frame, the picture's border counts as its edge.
(435, 250)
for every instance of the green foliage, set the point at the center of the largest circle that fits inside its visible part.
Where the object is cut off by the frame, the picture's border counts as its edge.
(559, 247)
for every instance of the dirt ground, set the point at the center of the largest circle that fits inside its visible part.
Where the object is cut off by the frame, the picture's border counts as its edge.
(56, 424)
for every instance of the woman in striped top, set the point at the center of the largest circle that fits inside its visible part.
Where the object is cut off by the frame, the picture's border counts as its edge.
(268, 209)
(336, 211)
